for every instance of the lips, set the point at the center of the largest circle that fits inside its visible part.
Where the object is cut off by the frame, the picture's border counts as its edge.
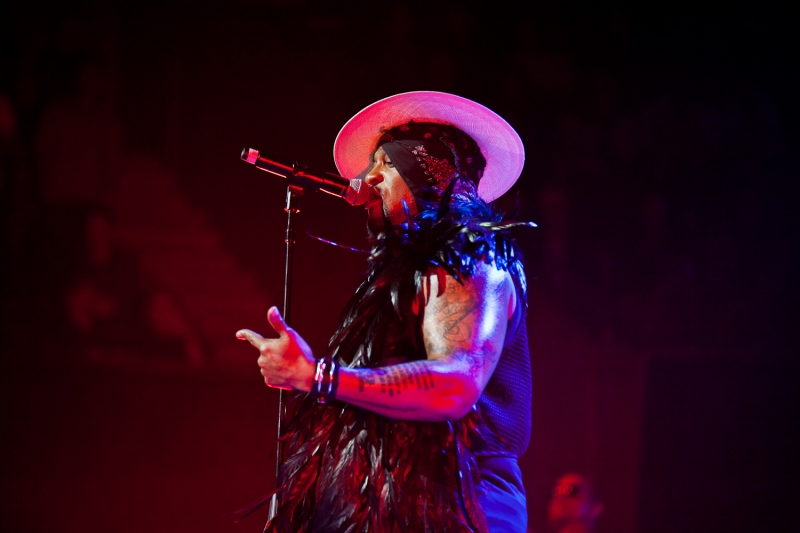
(374, 198)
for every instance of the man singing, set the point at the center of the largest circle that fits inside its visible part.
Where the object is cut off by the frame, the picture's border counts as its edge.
(415, 417)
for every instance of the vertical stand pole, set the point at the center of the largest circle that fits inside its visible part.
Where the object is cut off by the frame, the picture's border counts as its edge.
(293, 194)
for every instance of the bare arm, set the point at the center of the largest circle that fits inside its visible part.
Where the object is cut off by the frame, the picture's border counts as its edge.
(463, 329)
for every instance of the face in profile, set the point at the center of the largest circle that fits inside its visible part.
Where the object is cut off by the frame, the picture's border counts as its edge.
(573, 504)
(387, 182)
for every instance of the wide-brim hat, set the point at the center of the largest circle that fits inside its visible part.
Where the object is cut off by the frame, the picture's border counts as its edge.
(499, 143)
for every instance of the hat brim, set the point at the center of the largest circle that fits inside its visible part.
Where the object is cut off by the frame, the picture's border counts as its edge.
(499, 143)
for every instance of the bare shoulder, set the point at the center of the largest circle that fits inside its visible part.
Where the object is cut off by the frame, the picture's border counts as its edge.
(462, 315)
(486, 282)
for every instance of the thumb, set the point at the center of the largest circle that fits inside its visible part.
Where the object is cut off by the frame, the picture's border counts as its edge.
(276, 321)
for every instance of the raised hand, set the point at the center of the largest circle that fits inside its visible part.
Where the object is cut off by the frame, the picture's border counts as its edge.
(286, 362)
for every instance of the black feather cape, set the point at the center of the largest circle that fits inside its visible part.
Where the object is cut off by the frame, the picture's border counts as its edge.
(348, 470)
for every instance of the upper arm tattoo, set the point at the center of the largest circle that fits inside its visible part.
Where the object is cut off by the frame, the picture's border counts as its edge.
(455, 319)
(464, 322)
(455, 312)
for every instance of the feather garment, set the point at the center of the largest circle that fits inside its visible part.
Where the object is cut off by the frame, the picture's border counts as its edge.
(349, 470)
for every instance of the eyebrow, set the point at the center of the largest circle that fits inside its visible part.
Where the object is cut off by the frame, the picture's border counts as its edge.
(372, 157)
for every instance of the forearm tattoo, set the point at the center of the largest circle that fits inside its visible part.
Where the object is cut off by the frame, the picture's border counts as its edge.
(395, 379)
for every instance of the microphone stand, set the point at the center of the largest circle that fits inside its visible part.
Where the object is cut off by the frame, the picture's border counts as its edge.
(299, 179)
(293, 192)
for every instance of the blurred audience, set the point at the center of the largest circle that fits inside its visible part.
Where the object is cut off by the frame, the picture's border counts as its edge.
(117, 315)
(574, 506)
(665, 215)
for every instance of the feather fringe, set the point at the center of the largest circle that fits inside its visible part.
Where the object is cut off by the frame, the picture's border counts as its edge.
(348, 470)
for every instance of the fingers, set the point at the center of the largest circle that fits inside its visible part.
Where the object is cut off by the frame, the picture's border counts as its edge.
(276, 320)
(251, 336)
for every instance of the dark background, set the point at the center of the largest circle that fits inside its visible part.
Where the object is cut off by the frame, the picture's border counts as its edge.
(661, 166)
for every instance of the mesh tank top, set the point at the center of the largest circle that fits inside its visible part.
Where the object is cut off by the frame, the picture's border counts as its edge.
(505, 404)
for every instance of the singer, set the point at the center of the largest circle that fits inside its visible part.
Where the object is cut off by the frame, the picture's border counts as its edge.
(414, 418)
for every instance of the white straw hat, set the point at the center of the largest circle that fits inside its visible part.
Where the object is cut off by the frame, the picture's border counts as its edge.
(499, 143)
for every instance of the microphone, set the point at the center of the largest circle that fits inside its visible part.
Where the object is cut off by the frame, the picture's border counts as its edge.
(354, 192)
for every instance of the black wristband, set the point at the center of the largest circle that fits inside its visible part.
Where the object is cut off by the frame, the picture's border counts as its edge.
(326, 380)
(334, 383)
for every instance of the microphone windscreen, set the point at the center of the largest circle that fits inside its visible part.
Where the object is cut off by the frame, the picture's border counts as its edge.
(357, 193)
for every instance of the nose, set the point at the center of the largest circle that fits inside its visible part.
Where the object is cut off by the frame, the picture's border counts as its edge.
(373, 177)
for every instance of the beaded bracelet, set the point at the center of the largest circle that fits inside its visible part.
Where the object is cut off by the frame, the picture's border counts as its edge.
(326, 380)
